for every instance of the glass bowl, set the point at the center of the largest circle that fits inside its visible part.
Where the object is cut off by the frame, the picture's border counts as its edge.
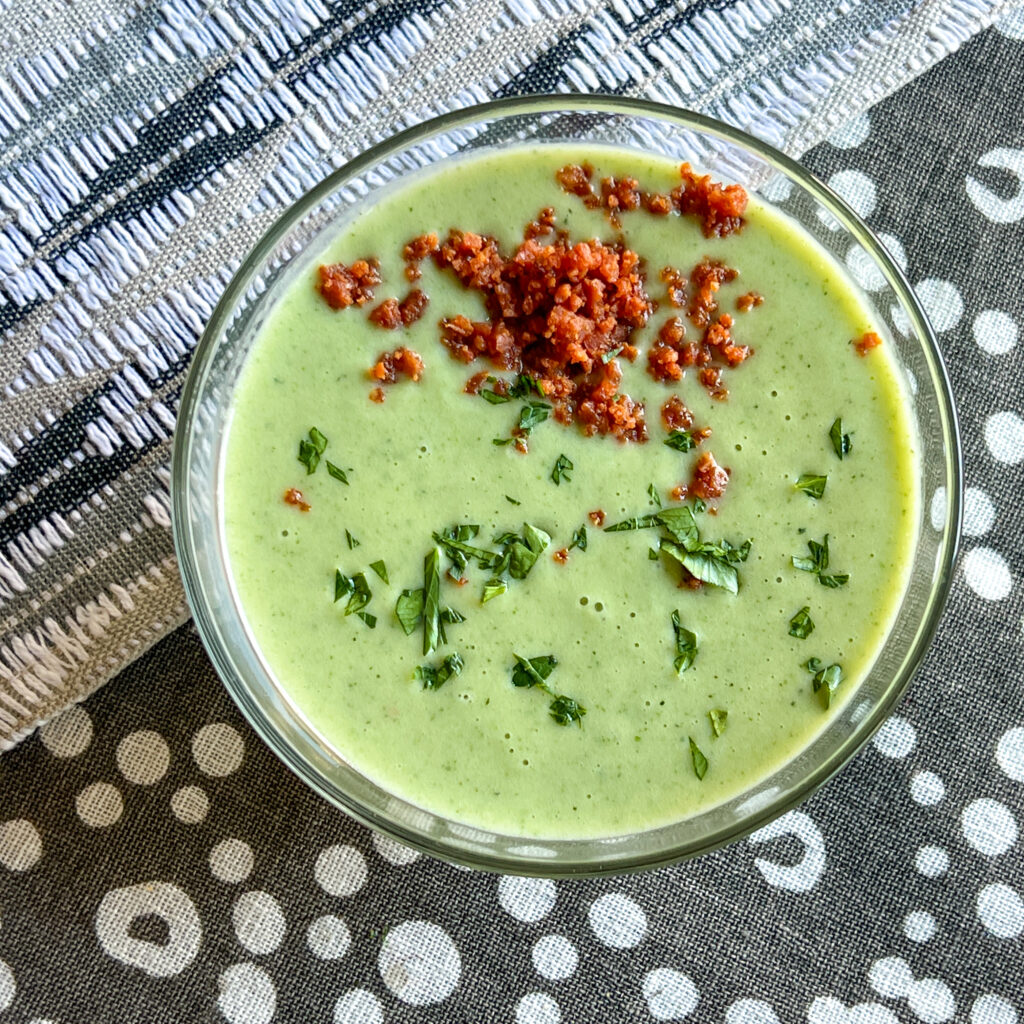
(728, 154)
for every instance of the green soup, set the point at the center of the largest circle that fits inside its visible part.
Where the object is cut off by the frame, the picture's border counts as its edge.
(479, 749)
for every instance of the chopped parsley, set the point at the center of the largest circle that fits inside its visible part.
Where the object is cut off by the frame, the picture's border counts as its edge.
(432, 627)
(530, 672)
(824, 681)
(700, 762)
(409, 610)
(369, 618)
(351, 541)
(680, 441)
(563, 466)
(818, 563)
(336, 471)
(511, 500)
(502, 440)
(652, 493)
(381, 570)
(652, 554)
(494, 397)
(492, 589)
(611, 354)
(516, 556)
(311, 450)
(801, 625)
(811, 484)
(579, 539)
(433, 678)
(842, 443)
(524, 385)
(686, 645)
(718, 719)
(532, 414)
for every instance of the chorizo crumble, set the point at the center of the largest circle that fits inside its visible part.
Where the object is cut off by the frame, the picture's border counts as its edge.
(293, 496)
(343, 286)
(866, 342)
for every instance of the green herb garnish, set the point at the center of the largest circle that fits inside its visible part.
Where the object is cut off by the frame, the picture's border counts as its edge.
(812, 484)
(699, 505)
(818, 563)
(686, 645)
(381, 570)
(369, 618)
(524, 385)
(499, 441)
(801, 625)
(336, 471)
(433, 678)
(842, 443)
(533, 671)
(512, 501)
(718, 719)
(531, 414)
(680, 441)
(409, 610)
(431, 600)
(355, 588)
(824, 681)
(523, 553)
(351, 541)
(652, 554)
(579, 539)
(652, 493)
(700, 762)
(564, 710)
(494, 397)
(611, 354)
(311, 450)
(492, 589)
(561, 470)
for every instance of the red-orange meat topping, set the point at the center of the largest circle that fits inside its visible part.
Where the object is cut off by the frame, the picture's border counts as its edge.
(343, 286)
(675, 286)
(596, 517)
(392, 313)
(745, 303)
(866, 342)
(560, 313)
(293, 496)
(377, 395)
(705, 280)
(386, 315)
(719, 207)
(561, 556)
(391, 364)
(675, 415)
(415, 251)
(709, 478)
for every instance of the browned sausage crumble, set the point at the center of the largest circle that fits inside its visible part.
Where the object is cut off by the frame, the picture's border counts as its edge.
(866, 342)
(343, 286)
(293, 496)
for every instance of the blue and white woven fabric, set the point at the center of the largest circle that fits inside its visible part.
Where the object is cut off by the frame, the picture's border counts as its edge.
(145, 147)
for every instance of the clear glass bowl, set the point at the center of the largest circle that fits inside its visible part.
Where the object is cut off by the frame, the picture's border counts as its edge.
(729, 155)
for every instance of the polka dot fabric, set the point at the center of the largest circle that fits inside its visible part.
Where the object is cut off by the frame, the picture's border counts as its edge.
(157, 863)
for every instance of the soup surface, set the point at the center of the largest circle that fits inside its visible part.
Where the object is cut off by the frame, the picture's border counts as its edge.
(570, 691)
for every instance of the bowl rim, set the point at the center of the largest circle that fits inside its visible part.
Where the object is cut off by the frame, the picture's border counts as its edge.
(796, 793)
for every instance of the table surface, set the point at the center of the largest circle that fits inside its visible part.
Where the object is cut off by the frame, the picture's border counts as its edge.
(157, 863)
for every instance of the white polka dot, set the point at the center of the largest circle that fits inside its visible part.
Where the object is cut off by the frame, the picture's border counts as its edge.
(555, 957)
(750, 1011)
(7, 987)
(69, 733)
(895, 249)
(617, 921)
(358, 1006)
(995, 331)
(143, 757)
(340, 870)
(891, 977)
(393, 851)
(419, 963)
(537, 1008)
(1004, 435)
(218, 749)
(1010, 753)
(857, 189)
(987, 574)
(979, 512)
(919, 926)
(868, 273)
(776, 189)
(328, 937)
(1001, 911)
(20, 845)
(926, 788)
(992, 1009)
(896, 738)
(827, 1010)
(259, 923)
(526, 899)
(247, 995)
(931, 1001)
(852, 134)
(669, 994)
(988, 826)
(1011, 25)
(177, 948)
(932, 861)
(231, 861)
(99, 805)
(190, 805)
(941, 301)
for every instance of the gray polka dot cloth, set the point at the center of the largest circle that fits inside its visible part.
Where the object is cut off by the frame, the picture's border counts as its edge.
(158, 864)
